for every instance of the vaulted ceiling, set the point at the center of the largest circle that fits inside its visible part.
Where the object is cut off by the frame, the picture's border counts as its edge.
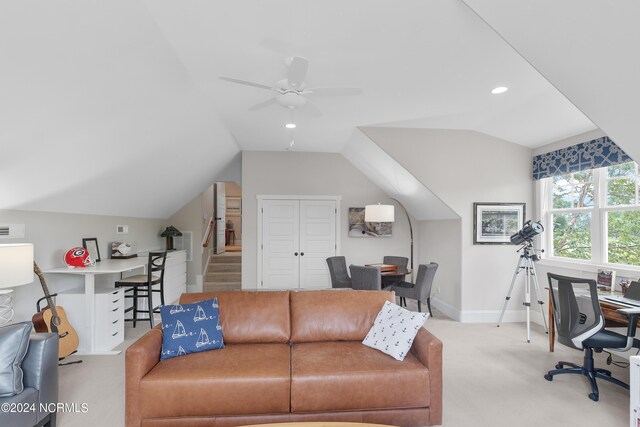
(116, 107)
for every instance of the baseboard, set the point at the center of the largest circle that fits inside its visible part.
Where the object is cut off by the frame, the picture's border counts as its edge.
(488, 316)
(446, 309)
(492, 316)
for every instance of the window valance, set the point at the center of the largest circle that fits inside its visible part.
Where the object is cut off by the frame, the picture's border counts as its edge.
(592, 154)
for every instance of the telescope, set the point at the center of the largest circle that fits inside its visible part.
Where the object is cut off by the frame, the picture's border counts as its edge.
(528, 232)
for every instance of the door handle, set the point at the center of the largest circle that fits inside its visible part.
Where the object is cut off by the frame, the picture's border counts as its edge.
(301, 253)
(295, 253)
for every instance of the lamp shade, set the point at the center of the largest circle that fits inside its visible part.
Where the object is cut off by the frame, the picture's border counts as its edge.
(379, 213)
(171, 231)
(16, 264)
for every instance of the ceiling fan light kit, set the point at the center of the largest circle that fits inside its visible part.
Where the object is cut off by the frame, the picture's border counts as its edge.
(292, 89)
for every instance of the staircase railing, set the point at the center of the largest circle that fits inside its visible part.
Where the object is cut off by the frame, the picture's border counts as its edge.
(210, 228)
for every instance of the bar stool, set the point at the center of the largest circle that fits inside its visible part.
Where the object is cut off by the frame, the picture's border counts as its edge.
(141, 286)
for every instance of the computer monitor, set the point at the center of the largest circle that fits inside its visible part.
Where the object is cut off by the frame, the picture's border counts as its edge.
(634, 291)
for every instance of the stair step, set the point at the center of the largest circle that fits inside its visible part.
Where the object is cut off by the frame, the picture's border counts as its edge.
(220, 268)
(216, 287)
(224, 277)
(226, 259)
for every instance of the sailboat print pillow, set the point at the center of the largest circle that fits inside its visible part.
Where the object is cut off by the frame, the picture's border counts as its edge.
(190, 328)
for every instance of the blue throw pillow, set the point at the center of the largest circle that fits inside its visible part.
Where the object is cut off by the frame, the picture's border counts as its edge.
(190, 328)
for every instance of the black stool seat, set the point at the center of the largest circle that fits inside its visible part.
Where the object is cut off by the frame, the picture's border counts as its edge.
(141, 286)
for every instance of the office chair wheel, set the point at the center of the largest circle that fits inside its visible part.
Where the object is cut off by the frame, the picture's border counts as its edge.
(559, 366)
(593, 397)
(548, 377)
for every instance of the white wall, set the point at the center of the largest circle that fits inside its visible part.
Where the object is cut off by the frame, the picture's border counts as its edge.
(568, 142)
(326, 174)
(53, 234)
(463, 167)
(192, 217)
(440, 241)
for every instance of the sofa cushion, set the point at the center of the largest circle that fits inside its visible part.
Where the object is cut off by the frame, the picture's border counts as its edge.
(14, 342)
(239, 379)
(27, 400)
(342, 376)
(190, 328)
(250, 317)
(394, 330)
(334, 315)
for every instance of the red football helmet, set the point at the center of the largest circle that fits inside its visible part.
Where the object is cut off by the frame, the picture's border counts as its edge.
(77, 257)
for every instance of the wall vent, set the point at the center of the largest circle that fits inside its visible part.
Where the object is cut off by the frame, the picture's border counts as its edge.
(12, 231)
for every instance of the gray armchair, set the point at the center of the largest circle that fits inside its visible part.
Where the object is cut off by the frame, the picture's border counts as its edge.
(421, 290)
(401, 262)
(338, 270)
(40, 367)
(365, 278)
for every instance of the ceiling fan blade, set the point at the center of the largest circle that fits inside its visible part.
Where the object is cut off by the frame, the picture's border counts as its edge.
(333, 91)
(297, 71)
(310, 110)
(244, 82)
(263, 104)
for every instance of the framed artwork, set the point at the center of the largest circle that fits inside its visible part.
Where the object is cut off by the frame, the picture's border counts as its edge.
(91, 244)
(495, 223)
(359, 228)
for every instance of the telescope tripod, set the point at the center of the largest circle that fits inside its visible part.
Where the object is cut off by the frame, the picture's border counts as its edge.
(526, 264)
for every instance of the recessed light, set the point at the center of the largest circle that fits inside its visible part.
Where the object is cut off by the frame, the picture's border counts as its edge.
(290, 125)
(499, 89)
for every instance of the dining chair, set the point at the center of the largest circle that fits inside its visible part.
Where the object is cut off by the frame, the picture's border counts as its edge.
(399, 261)
(141, 286)
(365, 278)
(338, 271)
(421, 289)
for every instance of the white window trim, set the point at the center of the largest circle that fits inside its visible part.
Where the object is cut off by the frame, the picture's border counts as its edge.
(544, 198)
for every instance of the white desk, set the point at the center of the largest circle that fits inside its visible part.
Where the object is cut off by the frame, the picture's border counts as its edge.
(108, 266)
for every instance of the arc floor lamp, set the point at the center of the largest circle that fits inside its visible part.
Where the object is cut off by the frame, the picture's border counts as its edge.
(385, 213)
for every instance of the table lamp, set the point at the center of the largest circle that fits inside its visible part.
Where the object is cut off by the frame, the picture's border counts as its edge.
(170, 233)
(16, 269)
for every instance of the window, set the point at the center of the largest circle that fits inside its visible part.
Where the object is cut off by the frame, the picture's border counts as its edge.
(594, 215)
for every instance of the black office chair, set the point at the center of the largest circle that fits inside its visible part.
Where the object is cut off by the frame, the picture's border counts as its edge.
(141, 286)
(338, 270)
(580, 324)
(421, 290)
(365, 278)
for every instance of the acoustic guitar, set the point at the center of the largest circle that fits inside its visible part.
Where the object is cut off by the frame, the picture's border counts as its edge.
(54, 319)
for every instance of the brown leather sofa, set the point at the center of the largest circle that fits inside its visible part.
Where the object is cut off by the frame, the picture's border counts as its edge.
(288, 356)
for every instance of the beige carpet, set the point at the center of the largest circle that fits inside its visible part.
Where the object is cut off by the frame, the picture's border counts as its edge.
(492, 377)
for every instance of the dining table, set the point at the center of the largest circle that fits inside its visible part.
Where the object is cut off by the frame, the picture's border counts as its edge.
(391, 274)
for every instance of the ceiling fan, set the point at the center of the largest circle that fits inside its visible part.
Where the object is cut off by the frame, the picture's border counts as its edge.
(292, 90)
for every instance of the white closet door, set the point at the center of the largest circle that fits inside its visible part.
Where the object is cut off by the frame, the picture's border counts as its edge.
(317, 242)
(281, 239)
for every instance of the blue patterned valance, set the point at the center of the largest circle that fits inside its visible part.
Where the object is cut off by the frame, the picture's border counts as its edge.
(593, 154)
